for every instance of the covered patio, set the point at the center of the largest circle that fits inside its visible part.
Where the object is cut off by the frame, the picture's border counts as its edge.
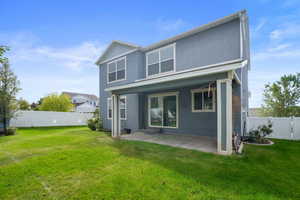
(171, 96)
(200, 143)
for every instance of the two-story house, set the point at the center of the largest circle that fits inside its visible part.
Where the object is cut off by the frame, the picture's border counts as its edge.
(195, 83)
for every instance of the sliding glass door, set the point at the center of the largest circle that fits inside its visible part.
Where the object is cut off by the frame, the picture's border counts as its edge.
(163, 110)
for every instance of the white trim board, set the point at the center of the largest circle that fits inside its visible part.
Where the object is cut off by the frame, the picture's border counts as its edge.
(228, 116)
(98, 62)
(110, 99)
(193, 91)
(163, 95)
(180, 76)
(116, 71)
(160, 61)
(116, 57)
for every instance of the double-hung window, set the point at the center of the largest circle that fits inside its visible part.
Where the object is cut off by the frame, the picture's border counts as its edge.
(161, 60)
(116, 70)
(203, 100)
(122, 107)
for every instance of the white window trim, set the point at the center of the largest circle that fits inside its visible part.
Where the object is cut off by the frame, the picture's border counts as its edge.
(160, 61)
(115, 61)
(177, 109)
(203, 90)
(123, 97)
(110, 99)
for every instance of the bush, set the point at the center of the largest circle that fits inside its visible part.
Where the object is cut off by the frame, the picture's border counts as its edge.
(11, 131)
(259, 135)
(92, 124)
(95, 124)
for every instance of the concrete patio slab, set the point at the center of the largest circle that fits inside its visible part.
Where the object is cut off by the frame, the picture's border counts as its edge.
(200, 143)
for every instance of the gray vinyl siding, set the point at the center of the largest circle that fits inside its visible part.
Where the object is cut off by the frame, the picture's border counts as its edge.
(115, 50)
(191, 123)
(215, 45)
(236, 108)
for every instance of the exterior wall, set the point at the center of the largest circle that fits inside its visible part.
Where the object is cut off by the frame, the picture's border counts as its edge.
(215, 45)
(236, 108)
(115, 50)
(219, 44)
(133, 72)
(191, 123)
(132, 113)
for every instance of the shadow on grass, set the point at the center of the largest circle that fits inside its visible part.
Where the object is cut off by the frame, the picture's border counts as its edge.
(258, 173)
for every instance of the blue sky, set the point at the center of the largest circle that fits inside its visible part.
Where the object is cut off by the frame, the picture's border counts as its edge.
(54, 44)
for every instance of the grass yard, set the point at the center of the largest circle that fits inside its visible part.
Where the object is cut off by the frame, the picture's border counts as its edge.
(75, 163)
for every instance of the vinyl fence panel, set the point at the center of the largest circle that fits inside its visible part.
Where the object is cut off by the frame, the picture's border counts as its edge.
(48, 118)
(283, 127)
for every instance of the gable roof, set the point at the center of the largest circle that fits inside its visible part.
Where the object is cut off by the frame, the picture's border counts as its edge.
(237, 15)
(89, 96)
(112, 44)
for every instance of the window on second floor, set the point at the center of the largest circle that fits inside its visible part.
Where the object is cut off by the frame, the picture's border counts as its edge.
(116, 70)
(161, 60)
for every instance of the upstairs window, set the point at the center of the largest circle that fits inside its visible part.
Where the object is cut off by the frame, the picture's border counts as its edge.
(203, 100)
(116, 70)
(161, 60)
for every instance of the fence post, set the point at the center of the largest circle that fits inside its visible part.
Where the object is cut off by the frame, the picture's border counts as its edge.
(292, 123)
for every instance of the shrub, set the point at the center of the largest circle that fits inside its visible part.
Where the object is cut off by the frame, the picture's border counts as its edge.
(95, 124)
(11, 131)
(259, 135)
(92, 124)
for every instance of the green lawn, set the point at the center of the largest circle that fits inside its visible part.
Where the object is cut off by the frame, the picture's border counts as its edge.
(75, 163)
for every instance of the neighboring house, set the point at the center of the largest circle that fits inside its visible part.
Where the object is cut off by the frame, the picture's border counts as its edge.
(85, 103)
(193, 83)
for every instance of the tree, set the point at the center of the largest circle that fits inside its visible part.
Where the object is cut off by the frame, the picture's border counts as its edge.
(3, 59)
(55, 102)
(281, 98)
(9, 87)
(35, 106)
(23, 104)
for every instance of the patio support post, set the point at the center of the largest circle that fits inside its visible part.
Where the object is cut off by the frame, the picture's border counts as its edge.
(115, 116)
(224, 109)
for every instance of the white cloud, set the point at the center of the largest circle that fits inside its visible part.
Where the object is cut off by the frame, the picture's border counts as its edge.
(44, 69)
(75, 58)
(285, 31)
(286, 54)
(279, 47)
(170, 25)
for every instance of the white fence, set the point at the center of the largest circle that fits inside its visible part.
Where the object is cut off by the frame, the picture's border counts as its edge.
(283, 127)
(48, 118)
